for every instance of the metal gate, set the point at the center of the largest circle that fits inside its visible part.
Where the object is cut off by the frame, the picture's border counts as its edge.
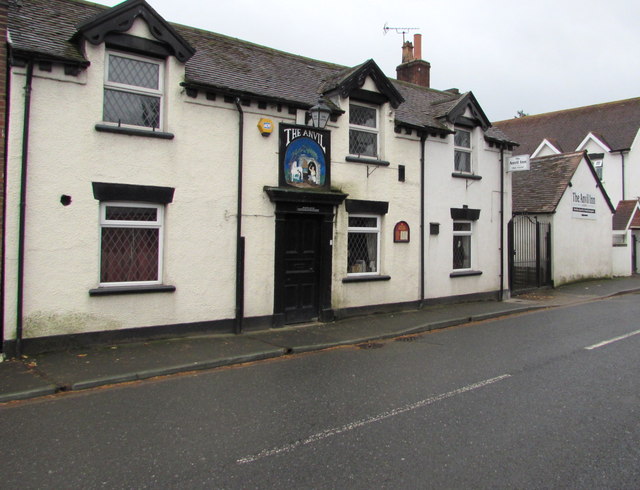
(529, 253)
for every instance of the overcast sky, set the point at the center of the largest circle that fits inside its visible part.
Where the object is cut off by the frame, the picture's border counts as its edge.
(537, 56)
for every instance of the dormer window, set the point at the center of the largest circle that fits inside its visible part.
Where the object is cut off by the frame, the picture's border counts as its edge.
(133, 91)
(462, 145)
(363, 130)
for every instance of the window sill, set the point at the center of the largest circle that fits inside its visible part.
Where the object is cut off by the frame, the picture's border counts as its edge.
(462, 175)
(465, 273)
(154, 288)
(368, 161)
(365, 278)
(106, 128)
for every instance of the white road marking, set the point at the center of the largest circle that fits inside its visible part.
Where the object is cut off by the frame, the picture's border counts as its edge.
(369, 420)
(611, 341)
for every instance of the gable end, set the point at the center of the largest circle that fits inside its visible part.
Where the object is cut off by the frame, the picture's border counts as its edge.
(120, 19)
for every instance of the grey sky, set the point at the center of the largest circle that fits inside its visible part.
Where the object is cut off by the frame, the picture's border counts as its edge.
(538, 56)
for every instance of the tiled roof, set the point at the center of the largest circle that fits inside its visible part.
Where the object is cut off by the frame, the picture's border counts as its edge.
(624, 211)
(47, 28)
(616, 123)
(540, 189)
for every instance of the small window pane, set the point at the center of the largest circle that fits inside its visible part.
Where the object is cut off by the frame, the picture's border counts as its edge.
(134, 72)
(461, 226)
(462, 138)
(363, 143)
(462, 161)
(363, 252)
(462, 252)
(362, 222)
(126, 213)
(362, 116)
(129, 108)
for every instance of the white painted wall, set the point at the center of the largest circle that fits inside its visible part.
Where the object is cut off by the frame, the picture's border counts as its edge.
(621, 254)
(581, 248)
(66, 154)
(632, 169)
(443, 192)
(611, 169)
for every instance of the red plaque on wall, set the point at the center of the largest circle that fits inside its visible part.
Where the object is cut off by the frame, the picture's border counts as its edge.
(401, 232)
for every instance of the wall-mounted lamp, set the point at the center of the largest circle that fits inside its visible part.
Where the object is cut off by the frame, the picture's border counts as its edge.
(320, 114)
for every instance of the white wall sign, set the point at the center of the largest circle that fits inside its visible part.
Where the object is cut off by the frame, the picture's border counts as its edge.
(583, 205)
(519, 162)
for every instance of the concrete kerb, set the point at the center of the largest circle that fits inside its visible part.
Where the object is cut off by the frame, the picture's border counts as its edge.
(28, 394)
(281, 351)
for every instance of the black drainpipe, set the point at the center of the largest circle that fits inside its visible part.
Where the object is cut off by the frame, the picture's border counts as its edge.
(23, 206)
(622, 156)
(423, 139)
(501, 295)
(4, 189)
(239, 238)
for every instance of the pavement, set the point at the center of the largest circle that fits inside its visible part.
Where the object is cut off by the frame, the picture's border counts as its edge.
(73, 370)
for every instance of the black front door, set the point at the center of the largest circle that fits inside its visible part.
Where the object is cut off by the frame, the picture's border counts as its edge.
(301, 268)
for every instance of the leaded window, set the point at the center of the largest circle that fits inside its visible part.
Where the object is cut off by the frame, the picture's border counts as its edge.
(133, 91)
(363, 244)
(363, 130)
(131, 243)
(462, 144)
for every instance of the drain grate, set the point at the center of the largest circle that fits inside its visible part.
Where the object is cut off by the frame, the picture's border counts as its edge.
(370, 345)
(406, 339)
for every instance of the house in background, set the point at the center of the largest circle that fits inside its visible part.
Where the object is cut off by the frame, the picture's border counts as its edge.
(566, 217)
(164, 180)
(626, 235)
(607, 132)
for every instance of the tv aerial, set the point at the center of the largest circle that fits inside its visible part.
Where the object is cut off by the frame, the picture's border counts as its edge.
(399, 30)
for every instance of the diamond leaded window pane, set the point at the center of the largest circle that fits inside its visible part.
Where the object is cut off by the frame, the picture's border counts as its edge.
(129, 108)
(134, 72)
(362, 116)
(363, 252)
(362, 222)
(363, 143)
(128, 213)
(129, 254)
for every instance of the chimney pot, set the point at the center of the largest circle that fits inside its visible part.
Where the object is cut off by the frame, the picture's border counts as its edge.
(417, 46)
(407, 52)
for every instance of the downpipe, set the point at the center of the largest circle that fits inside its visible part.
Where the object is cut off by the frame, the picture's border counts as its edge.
(240, 241)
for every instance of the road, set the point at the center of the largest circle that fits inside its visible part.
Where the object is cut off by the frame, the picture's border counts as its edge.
(530, 401)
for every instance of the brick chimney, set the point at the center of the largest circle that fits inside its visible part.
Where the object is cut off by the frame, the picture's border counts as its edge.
(413, 68)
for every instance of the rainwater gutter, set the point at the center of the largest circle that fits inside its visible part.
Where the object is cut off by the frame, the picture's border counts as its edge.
(240, 243)
(23, 207)
(622, 156)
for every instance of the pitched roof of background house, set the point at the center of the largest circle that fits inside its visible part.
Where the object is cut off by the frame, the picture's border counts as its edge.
(616, 123)
(48, 29)
(540, 189)
(624, 212)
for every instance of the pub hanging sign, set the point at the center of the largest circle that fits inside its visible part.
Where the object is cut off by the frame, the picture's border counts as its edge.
(305, 160)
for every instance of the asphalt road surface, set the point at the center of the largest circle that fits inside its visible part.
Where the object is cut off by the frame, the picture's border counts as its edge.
(544, 400)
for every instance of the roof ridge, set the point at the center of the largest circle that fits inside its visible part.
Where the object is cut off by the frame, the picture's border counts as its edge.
(572, 109)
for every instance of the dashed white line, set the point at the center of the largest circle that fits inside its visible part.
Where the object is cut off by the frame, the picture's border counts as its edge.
(366, 421)
(611, 341)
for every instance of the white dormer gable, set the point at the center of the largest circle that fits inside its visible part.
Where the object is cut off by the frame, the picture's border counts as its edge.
(545, 149)
(593, 138)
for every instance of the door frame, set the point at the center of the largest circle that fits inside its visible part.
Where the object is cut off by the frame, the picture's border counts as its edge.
(295, 202)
